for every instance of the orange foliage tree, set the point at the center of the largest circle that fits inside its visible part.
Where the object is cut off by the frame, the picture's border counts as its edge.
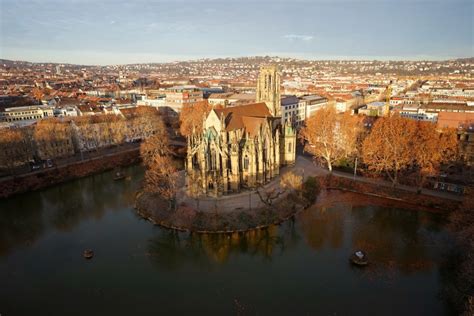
(144, 122)
(397, 144)
(53, 138)
(389, 146)
(161, 178)
(433, 148)
(15, 148)
(331, 136)
(93, 132)
(154, 146)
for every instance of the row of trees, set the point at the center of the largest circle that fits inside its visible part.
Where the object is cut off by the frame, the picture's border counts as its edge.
(56, 137)
(392, 146)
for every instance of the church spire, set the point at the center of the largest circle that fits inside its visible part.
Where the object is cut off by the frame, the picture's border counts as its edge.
(268, 88)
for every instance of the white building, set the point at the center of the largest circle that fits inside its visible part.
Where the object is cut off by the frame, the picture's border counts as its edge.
(312, 103)
(178, 97)
(293, 110)
(69, 111)
(155, 102)
(26, 113)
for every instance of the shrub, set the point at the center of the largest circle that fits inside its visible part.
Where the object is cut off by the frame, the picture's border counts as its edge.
(311, 189)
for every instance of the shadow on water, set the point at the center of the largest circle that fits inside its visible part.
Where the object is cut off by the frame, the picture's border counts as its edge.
(171, 249)
(26, 217)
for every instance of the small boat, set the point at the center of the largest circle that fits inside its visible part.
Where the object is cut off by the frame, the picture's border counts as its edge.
(88, 254)
(119, 175)
(359, 258)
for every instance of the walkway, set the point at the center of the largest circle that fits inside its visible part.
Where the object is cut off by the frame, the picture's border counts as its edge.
(315, 170)
(305, 167)
(78, 158)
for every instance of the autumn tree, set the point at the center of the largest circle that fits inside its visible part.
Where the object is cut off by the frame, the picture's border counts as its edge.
(15, 148)
(161, 177)
(433, 148)
(53, 138)
(144, 122)
(156, 145)
(331, 136)
(389, 146)
(191, 117)
(112, 129)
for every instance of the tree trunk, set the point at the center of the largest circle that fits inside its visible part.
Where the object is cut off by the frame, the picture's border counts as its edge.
(330, 166)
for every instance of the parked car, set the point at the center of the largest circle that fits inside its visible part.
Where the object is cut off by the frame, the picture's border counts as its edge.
(34, 165)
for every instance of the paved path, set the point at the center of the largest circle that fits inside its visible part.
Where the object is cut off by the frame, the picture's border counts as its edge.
(89, 156)
(315, 170)
(305, 167)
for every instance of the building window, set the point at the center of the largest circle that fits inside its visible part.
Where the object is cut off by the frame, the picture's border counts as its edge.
(289, 147)
(246, 163)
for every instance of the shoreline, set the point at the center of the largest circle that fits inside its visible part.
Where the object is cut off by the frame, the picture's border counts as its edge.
(61, 174)
(187, 219)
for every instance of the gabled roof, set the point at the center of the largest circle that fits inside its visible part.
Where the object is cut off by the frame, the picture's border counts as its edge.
(254, 109)
(248, 117)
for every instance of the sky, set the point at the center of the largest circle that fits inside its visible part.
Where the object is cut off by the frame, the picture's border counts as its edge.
(100, 32)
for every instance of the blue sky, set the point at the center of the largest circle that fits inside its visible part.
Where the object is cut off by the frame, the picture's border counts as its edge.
(114, 32)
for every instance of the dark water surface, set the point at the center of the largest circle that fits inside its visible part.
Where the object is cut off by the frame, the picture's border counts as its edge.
(299, 268)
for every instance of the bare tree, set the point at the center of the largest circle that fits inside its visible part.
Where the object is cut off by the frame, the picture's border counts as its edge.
(161, 177)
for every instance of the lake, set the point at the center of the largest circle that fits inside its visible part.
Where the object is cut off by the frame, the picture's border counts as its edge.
(298, 268)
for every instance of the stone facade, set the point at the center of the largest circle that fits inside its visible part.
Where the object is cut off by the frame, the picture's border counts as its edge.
(242, 146)
(268, 89)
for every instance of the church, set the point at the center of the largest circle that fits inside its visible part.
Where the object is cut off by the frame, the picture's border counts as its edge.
(241, 147)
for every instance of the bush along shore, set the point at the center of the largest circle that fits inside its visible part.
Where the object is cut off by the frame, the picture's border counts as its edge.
(185, 218)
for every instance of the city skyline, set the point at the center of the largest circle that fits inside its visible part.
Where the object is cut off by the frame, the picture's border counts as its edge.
(118, 32)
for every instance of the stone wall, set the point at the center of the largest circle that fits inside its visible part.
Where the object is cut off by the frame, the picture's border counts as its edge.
(52, 176)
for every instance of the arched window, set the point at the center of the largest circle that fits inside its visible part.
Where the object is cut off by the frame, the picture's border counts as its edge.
(289, 147)
(246, 163)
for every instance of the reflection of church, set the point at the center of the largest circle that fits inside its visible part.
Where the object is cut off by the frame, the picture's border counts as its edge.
(242, 146)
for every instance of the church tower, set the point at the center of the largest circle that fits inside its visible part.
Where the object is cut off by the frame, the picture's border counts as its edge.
(268, 88)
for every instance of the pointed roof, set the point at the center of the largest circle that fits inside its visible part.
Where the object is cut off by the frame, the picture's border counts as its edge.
(249, 117)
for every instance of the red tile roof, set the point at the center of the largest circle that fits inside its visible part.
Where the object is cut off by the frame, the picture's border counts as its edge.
(249, 117)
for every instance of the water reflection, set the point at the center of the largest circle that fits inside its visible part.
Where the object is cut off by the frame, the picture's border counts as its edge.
(171, 249)
(21, 223)
(398, 241)
(303, 261)
(24, 218)
(323, 226)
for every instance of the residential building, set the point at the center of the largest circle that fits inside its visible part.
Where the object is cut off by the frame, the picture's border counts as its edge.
(26, 113)
(178, 97)
(312, 103)
(290, 110)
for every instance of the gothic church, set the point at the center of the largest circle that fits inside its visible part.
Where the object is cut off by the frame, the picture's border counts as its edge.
(242, 146)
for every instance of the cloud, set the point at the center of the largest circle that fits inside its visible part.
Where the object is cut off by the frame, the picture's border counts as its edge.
(299, 37)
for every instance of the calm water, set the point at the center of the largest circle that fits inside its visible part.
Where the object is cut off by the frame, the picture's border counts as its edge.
(299, 268)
